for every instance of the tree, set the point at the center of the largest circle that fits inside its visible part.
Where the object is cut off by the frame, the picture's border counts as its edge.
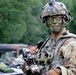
(35, 29)
(12, 24)
(20, 20)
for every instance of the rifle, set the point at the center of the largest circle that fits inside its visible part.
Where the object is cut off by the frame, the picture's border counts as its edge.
(34, 66)
(30, 67)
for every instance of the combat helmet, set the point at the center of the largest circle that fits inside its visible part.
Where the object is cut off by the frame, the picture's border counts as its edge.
(55, 8)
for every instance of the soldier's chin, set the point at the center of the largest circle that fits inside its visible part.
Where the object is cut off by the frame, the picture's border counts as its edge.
(56, 31)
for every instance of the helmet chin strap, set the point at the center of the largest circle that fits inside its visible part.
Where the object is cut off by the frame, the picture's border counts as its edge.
(63, 24)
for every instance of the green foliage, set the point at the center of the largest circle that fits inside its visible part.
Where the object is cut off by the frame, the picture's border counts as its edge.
(20, 20)
(35, 29)
(12, 24)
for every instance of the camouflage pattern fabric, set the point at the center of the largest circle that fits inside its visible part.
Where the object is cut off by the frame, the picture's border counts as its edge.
(64, 56)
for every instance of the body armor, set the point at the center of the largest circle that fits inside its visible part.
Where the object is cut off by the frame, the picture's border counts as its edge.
(52, 48)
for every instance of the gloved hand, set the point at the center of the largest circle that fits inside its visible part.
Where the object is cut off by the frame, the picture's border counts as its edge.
(52, 72)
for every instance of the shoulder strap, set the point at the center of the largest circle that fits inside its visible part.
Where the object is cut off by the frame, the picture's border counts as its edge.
(55, 55)
(45, 42)
(55, 59)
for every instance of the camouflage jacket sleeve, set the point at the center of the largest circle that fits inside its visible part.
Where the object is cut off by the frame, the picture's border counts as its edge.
(69, 53)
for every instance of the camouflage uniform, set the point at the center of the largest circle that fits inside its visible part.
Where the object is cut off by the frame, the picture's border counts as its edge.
(63, 53)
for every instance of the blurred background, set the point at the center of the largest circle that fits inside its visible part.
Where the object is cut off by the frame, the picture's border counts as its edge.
(20, 21)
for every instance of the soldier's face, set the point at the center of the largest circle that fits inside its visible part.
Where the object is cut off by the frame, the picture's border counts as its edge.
(54, 23)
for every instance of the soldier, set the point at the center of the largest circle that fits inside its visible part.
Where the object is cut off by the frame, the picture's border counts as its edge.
(61, 45)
